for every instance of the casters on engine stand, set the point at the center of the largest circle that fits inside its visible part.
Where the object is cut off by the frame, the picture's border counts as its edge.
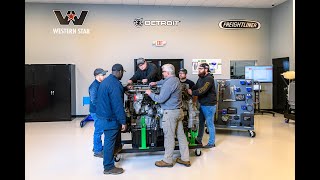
(252, 133)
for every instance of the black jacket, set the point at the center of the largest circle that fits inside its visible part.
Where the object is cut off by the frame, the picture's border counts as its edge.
(205, 90)
(151, 73)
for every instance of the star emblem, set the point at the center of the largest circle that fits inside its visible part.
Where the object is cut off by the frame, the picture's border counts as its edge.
(71, 16)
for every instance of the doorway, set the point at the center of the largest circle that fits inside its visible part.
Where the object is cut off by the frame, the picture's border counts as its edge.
(177, 63)
(280, 65)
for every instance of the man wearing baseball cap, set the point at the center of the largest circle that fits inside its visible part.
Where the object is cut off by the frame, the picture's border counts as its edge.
(147, 72)
(111, 116)
(99, 75)
(205, 90)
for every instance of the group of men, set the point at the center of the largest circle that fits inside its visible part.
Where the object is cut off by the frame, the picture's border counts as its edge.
(106, 108)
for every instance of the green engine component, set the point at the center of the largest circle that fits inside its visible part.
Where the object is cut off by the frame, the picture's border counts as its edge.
(143, 134)
(192, 138)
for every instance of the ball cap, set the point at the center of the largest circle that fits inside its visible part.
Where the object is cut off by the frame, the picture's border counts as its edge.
(117, 67)
(205, 66)
(99, 71)
(140, 61)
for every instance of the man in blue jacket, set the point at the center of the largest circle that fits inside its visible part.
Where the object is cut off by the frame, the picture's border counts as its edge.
(111, 115)
(99, 75)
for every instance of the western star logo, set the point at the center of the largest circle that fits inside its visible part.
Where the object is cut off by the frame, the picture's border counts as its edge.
(239, 24)
(70, 16)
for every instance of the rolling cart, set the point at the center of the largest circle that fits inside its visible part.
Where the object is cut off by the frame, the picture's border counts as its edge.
(86, 101)
(235, 105)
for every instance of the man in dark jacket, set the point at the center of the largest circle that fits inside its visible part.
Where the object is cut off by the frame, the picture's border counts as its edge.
(147, 72)
(99, 75)
(111, 115)
(207, 97)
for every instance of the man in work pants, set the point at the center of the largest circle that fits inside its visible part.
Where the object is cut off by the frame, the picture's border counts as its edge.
(170, 99)
(111, 115)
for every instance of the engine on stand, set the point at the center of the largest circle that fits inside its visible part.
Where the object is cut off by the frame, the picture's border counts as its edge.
(144, 117)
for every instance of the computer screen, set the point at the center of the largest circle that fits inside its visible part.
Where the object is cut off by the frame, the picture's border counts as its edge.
(263, 74)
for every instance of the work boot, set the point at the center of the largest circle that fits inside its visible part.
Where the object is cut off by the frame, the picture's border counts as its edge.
(113, 171)
(163, 164)
(98, 154)
(186, 163)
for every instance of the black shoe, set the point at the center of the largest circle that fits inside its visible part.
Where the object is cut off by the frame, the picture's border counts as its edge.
(114, 171)
(209, 146)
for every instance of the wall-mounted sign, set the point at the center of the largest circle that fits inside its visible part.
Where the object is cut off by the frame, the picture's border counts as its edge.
(139, 22)
(239, 24)
(159, 43)
(215, 65)
(70, 16)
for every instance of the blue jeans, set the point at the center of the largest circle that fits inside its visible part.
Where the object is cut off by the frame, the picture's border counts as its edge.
(110, 138)
(207, 115)
(98, 131)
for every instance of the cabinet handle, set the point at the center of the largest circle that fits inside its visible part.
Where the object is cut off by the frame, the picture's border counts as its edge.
(53, 92)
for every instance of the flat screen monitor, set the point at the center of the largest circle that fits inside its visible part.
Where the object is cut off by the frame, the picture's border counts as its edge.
(262, 74)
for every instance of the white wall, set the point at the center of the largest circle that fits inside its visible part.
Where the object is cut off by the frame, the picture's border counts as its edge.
(114, 39)
(282, 32)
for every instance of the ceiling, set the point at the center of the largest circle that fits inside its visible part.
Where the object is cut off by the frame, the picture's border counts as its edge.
(201, 3)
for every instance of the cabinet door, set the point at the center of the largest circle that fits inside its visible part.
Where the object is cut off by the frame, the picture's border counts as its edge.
(61, 92)
(41, 92)
(48, 92)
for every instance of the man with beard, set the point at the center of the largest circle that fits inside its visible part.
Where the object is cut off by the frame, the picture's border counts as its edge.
(207, 97)
(183, 78)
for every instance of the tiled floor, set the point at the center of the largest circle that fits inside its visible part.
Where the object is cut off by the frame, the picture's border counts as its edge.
(62, 151)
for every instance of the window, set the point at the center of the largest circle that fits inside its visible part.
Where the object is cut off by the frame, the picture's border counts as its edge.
(237, 68)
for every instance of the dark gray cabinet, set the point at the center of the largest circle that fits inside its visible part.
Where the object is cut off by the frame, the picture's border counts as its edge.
(49, 92)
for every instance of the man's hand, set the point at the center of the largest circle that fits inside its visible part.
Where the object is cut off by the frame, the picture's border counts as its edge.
(130, 81)
(152, 83)
(144, 81)
(190, 91)
(148, 91)
(123, 127)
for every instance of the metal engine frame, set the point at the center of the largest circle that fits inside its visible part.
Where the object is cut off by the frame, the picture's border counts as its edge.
(144, 121)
